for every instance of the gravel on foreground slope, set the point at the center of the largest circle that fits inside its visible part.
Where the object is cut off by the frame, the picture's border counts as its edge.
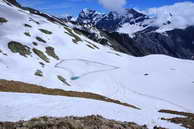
(88, 122)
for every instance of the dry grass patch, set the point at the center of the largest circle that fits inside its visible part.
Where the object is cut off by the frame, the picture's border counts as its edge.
(27, 25)
(63, 80)
(92, 45)
(17, 47)
(38, 73)
(20, 87)
(71, 33)
(27, 34)
(40, 39)
(45, 31)
(77, 31)
(186, 119)
(35, 43)
(41, 55)
(51, 52)
(3, 20)
(42, 64)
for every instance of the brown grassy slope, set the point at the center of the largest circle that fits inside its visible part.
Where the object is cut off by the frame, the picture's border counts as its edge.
(20, 87)
(186, 119)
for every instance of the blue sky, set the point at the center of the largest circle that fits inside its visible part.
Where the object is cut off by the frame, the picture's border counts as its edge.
(73, 7)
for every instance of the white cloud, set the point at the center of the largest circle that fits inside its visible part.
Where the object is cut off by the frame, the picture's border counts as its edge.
(180, 14)
(115, 5)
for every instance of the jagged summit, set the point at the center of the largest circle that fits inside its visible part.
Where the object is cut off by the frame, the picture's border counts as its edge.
(113, 20)
(89, 16)
(110, 21)
(87, 12)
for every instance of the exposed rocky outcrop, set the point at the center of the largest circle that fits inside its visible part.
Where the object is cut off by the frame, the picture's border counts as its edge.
(89, 122)
(109, 22)
(177, 43)
(113, 20)
(14, 2)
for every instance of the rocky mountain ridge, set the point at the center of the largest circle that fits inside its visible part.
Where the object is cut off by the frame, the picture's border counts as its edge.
(144, 40)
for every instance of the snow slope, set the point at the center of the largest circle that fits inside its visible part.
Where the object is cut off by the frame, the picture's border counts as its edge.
(166, 18)
(40, 105)
(152, 83)
(130, 29)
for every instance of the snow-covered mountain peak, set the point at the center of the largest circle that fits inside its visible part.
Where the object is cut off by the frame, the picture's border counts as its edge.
(89, 16)
(126, 16)
(130, 20)
(88, 12)
(110, 21)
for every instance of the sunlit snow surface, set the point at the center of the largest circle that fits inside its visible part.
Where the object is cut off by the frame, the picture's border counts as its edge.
(152, 83)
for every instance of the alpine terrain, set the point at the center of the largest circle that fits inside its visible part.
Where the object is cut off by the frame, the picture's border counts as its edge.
(116, 70)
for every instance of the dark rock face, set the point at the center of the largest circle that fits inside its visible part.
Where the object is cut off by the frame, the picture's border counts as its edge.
(14, 2)
(89, 16)
(183, 41)
(89, 122)
(177, 43)
(155, 43)
(111, 21)
(126, 44)
(67, 18)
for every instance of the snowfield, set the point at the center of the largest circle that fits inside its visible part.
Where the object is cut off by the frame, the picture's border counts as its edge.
(151, 83)
(27, 106)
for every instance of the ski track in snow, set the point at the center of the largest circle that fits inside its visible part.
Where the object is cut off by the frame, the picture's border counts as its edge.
(154, 97)
(87, 62)
(115, 68)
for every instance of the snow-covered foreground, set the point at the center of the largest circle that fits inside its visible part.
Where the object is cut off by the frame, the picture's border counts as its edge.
(151, 83)
(27, 106)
